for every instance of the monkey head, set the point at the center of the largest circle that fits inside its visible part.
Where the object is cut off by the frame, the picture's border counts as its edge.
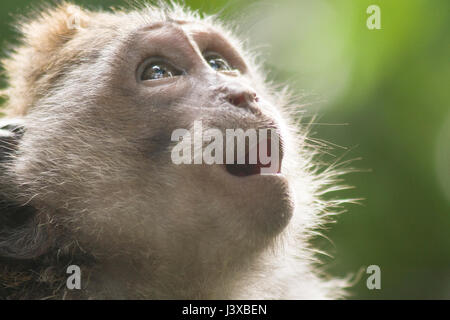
(100, 94)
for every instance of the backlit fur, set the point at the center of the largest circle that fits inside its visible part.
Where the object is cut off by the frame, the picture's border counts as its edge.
(93, 167)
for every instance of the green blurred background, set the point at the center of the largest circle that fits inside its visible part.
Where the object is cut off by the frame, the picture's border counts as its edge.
(380, 95)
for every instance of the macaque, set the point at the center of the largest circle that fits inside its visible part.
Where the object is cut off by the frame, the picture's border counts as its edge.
(87, 178)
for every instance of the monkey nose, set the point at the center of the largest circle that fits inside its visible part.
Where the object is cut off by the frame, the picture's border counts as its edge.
(243, 99)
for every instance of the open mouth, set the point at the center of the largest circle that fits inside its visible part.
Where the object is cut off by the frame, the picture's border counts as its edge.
(270, 165)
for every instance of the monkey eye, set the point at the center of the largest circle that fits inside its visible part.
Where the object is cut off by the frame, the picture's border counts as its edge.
(217, 62)
(158, 69)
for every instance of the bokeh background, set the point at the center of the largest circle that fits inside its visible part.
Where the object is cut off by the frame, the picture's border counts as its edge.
(379, 95)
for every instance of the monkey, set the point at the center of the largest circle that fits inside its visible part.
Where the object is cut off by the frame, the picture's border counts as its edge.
(86, 177)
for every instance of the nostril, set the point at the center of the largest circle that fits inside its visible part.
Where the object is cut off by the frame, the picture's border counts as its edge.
(237, 100)
(242, 99)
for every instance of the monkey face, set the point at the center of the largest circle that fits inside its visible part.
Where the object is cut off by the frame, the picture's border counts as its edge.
(106, 135)
(91, 171)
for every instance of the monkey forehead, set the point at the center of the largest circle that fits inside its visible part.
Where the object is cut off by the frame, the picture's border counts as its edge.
(209, 38)
(165, 35)
(190, 36)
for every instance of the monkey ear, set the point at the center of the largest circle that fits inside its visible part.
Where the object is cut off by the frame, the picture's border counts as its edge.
(33, 64)
(53, 27)
(21, 236)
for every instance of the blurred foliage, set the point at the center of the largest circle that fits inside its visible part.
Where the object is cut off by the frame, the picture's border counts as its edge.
(391, 87)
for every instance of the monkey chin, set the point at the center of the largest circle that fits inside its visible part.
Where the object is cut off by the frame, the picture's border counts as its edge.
(264, 199)
(267, 188)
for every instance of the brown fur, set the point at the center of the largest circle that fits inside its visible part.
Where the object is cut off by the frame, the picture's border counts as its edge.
(92, 170)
